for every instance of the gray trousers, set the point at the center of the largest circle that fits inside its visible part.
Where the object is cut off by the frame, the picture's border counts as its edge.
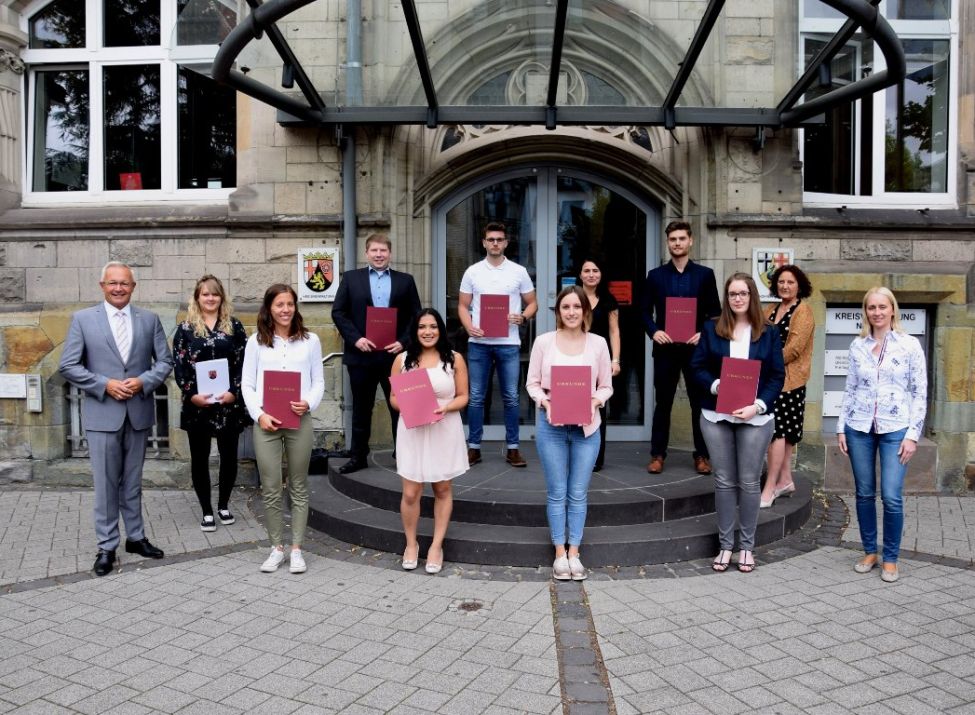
(269, 448)
(737, 454)
(116, 467)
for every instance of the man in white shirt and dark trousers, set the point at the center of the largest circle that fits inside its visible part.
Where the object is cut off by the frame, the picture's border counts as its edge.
(499, 276)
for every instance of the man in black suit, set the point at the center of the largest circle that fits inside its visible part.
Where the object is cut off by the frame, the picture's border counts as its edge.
(368, 364)
(680, 277)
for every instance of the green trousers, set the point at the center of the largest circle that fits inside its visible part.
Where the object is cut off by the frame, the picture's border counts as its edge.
(269, 447)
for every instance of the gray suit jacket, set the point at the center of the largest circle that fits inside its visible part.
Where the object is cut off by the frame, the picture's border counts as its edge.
(90, 359)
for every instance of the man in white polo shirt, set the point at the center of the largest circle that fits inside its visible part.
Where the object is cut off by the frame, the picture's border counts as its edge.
(495, 275)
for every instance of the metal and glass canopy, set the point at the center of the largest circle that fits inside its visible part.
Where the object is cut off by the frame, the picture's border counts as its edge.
(553, 32)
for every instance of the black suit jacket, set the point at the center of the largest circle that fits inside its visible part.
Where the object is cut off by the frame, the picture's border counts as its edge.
(665, 281)
(349, 312)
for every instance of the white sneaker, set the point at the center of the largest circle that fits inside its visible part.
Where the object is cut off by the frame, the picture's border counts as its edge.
(208, 524)
(273, 561)
(560, 569)
(577, 570)
(297, 562)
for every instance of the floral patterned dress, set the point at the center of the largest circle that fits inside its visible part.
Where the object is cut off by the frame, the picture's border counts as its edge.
(188, 349)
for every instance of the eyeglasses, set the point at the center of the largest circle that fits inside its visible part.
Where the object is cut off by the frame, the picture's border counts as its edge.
(739, 296)
(495, 240)
(118, 284)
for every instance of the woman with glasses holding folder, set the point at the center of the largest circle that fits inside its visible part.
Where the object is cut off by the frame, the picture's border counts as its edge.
(737, 439)
(568, 449)
(210, 332)
(283, 375)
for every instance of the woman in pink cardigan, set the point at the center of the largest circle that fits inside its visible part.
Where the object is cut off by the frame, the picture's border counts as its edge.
(568, 452)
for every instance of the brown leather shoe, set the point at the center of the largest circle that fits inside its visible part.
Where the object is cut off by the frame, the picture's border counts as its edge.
(702, 465)
(656, 465)
(515, 459)
(473, 456)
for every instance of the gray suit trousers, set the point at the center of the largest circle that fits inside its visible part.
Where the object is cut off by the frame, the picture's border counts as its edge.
(116, 464)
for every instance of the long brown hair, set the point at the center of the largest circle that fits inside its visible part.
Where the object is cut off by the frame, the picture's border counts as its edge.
(265, 322)
(726, 321)
(579, 293)
(195, 316)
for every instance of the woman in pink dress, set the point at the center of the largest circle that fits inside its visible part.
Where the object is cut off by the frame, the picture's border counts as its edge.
(433, 453)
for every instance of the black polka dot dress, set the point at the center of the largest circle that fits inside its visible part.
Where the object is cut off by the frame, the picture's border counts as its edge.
(790, 408)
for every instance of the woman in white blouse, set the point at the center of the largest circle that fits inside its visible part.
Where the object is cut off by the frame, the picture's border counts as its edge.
(738, 441)
(283, 343)
(883, 411)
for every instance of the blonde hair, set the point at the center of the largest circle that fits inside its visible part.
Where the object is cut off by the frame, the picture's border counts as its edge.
(895, 318)
(195, 315)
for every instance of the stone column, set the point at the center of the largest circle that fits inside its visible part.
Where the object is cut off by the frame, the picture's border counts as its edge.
(12, 41)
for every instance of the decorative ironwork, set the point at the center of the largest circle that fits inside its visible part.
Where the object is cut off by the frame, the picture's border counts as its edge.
(863, 15)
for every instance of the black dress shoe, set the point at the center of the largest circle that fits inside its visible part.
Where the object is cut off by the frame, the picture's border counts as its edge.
(143, 548)
(104, 562)
(353, 465)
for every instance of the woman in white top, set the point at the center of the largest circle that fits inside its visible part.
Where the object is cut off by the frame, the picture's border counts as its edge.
(283, 343)
(568, 452)
(883, 412)
(437, 452)
(738, 441)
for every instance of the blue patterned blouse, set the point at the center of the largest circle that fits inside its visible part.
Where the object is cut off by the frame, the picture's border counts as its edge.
(888, 391)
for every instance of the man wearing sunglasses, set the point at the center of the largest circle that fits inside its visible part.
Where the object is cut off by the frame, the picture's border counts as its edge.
(495, 275)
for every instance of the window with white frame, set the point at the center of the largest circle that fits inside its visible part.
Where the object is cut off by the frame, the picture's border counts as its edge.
(895, 148)
(115, 110)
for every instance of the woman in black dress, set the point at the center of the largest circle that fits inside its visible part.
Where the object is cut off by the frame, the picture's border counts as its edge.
(606, 324)
(796, 325)
(210, 332)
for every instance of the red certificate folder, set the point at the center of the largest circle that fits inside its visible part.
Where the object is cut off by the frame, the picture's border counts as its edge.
(493, 318)
(681, 319)
(416, 398)
(739, 384)
(381, 326)
(570, 395)
(281, 388)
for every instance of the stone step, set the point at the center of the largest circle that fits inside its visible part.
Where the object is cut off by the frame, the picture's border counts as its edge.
(499, 514)
(516, 497)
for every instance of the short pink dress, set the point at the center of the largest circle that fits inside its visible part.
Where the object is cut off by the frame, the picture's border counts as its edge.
(433, 453)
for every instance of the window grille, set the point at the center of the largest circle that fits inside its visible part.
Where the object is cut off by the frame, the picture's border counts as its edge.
(157, 446)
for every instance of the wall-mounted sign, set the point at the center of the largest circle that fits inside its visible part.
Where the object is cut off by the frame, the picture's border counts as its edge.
(837, 362)
(849, 321)
(622, 291)
(13, 386)
(764, 263)
(832, 402)
(318, 274)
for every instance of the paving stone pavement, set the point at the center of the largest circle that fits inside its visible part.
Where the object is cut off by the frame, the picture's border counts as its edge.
(47, 533)
(935, 525)
(204, 632)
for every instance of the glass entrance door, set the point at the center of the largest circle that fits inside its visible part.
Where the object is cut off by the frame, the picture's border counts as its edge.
(556, 219)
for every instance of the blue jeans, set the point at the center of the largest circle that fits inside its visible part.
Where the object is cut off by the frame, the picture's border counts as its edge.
(480, 360)
(863, 448)
(567, 457)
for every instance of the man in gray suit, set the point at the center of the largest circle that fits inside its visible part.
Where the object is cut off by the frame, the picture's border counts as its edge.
(118, 356)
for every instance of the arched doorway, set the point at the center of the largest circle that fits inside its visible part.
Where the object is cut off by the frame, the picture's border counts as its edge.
(556, 218)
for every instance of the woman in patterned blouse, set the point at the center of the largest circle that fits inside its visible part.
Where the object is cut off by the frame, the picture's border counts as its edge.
(210, 332)
(883, 411)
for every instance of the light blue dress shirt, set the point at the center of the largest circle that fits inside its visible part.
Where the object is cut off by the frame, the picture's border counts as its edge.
(379, 286)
